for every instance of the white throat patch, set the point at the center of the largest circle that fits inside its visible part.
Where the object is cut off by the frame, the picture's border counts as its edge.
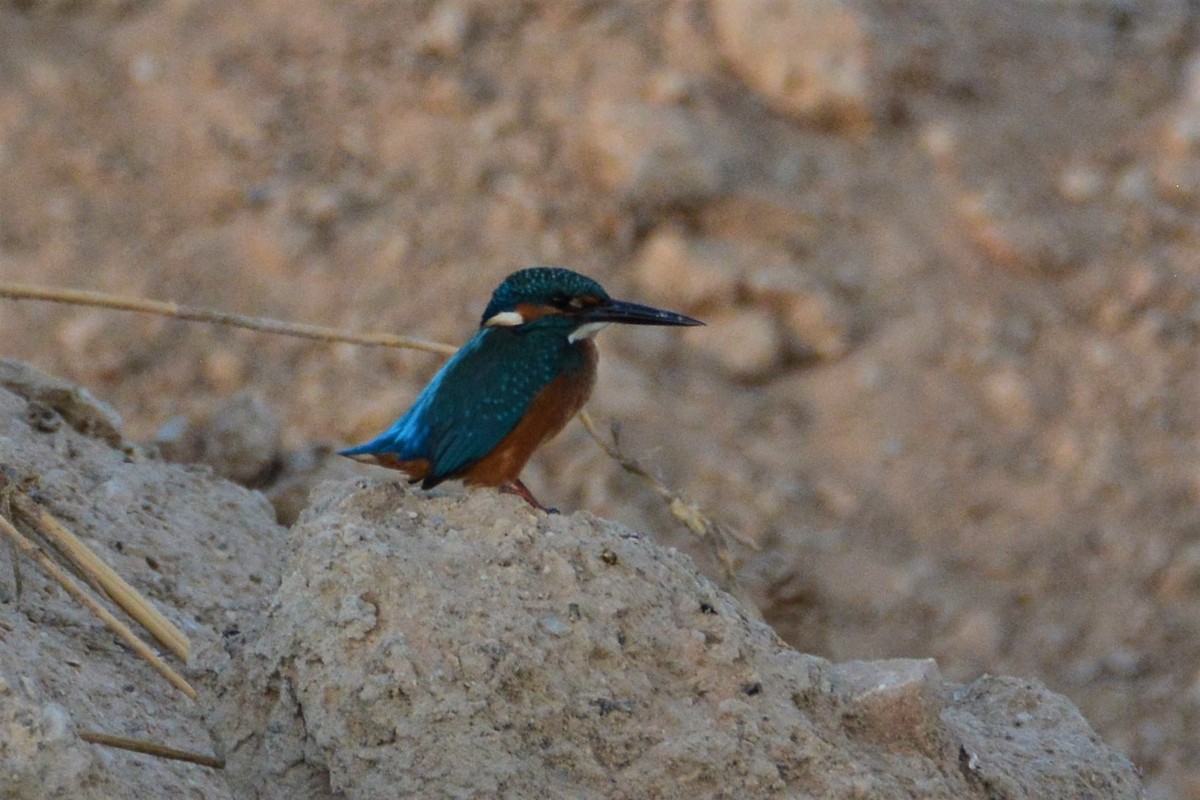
(505, 319)
(586, 331)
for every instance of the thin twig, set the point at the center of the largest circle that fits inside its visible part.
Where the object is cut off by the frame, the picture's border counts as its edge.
(151, 749)
(683, 509)
(103, 576)
(79, 297)
(43, 560)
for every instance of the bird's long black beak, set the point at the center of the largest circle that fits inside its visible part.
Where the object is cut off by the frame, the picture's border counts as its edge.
(633, 314)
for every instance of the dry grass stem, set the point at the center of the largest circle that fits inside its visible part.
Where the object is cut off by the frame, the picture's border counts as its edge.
(260, 324)
(43, 560)
(151, 749)
(683, 509)
(102, 575)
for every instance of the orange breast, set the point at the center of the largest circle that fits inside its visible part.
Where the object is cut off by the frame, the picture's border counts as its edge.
(551, 409)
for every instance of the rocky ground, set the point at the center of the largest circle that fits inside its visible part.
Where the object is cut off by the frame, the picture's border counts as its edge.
(948, 253)
(393, 644)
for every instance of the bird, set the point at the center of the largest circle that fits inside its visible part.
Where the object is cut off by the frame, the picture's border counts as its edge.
(514, 385)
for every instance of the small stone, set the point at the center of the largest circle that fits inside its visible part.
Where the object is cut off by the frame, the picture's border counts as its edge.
(554, 625)
(144, 69)
(1011, 235)
(1134, 185)
(745, 342)
(653, 156)
(1181, 578)
(1010, 396)
(56, 723)
(893, 702)
(940, 140)
(817, 324)
(689, 273)
(224, 369)
(446, 31)
(1080, 183)
(241, 439)
(808, 58)
(77, 406)
(814, 319)
(171, 432)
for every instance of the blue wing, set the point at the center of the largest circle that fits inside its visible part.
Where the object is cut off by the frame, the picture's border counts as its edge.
(474, 401)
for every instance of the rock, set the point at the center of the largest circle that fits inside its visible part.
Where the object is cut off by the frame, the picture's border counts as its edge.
(1177, 164)
(446, 31)
(807, 58)
(240, 439)
(40, 755)
(745, 342)
(1010, 397)
(204, 551)
(817, 325)
(1081, 183)
(466, 646)
(690, 273)
(780, 309)
(894, 703)
(653, 156)
(1002, 723)
(815, 320)
(51, 397)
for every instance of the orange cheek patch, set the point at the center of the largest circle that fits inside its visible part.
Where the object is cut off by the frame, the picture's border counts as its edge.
(529, 312)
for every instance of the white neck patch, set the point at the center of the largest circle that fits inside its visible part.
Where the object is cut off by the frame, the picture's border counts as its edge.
(586, 331)
(505, 319)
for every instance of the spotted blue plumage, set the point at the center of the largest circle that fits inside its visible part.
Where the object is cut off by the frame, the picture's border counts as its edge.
(533, 332)
(481, 393)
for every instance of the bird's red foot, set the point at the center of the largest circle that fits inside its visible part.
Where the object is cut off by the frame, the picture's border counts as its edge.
(522, 491)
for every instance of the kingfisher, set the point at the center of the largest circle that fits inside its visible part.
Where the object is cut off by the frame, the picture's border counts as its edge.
(514, 385)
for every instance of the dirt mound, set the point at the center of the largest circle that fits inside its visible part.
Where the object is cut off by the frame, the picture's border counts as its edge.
(406, 645)
(202, 550)
(468, 647)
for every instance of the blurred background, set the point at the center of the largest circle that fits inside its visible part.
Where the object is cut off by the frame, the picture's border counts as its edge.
(947, 251)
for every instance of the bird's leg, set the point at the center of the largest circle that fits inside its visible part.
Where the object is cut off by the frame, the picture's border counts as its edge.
(515, 486)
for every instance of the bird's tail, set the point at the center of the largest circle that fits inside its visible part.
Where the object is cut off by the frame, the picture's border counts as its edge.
(359, 452)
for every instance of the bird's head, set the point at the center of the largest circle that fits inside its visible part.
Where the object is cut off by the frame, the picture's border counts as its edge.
(574, 302)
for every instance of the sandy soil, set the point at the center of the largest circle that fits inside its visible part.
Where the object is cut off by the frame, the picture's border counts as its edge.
(948, 253)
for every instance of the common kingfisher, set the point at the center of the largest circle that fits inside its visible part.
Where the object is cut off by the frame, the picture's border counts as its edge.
(514, 385)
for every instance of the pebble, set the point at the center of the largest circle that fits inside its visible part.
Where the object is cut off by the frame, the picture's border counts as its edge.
(746, 343)
(653, 156)
(446, 31)
(807, 58)
(687, 272)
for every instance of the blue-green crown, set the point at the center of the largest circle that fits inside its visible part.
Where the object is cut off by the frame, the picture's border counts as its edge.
(541, 286)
